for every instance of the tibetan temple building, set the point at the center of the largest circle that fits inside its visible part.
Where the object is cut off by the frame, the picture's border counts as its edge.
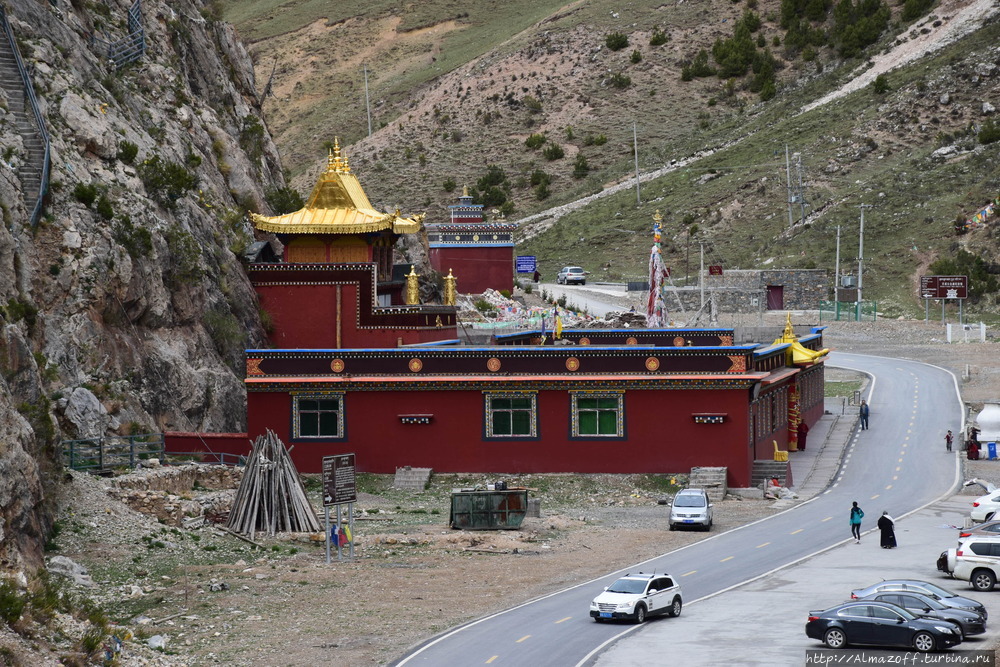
(481, 253)
(354, 371)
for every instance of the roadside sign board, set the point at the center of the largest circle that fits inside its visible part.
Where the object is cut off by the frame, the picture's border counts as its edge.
(526, 264)
(339, 484)
(944, 287)
(715, 270)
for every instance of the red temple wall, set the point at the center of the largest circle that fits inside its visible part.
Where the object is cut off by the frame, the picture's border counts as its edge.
(657, 441)
(477, 269)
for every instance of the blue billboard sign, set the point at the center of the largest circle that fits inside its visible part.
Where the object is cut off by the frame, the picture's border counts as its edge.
(526, 264)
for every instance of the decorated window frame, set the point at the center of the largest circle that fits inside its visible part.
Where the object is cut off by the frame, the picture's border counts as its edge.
(311, 416)
(514, 411)
(606, 403)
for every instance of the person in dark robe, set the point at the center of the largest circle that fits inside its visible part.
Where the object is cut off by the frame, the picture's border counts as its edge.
(973, 450)
(803, 432)
(887, 526)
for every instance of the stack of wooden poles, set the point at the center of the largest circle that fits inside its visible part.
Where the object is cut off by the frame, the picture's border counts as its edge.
(271, 497)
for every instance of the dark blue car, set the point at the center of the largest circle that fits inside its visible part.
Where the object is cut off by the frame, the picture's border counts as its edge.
(871, 623)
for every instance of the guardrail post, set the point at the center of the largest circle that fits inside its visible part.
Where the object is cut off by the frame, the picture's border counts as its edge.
(100, 453)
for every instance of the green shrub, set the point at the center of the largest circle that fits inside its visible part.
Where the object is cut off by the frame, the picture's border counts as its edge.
(449, 184)
(532, 104)
(225, 330)
(553, 152)
(17, 310)
(104, 208)
(616, 41)
(539, 177)
(636, 57)
(880, 85)
(252, 138)
(580, 166)
(542, 192)
(12, 602)
(127, 152)
(166, 182)
(658, 38)
(283, 200)
(592, 140)
(184, 267)
(85, 193)
(990, 132)
(914, 9)
(619, 80)
(535, 141)
(137, 241)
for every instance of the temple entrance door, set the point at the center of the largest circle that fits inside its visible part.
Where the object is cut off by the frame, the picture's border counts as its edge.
(775, 297)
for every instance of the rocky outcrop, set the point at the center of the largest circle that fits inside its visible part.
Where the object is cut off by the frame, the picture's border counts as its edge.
(126, 309)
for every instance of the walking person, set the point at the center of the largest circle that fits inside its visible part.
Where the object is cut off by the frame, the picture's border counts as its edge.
(856, 515)
(887, 526)
(947, 440)
(863, 415)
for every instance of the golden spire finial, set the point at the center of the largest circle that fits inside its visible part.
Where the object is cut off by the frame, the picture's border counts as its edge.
(657, 218)
(329, 160)
(465, 190)
(335, 162)
(789, 332)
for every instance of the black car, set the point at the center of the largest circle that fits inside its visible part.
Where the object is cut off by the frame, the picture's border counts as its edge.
(942, 595)
(880, 624)
(970, 622)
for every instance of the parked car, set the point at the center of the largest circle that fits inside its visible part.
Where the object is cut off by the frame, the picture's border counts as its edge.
(942, 595)
(946, 561)
(636, 596)
(571, 274)
(691, 507)
(988, 529)
(977, 560)
(970, 622)
(984, 508)
(880, 624)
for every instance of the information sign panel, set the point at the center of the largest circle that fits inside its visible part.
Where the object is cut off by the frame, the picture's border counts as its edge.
(339, 484)
(944, 287)
(525, 264)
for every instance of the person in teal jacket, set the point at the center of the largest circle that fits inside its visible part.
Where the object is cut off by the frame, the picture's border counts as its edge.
(856, 515)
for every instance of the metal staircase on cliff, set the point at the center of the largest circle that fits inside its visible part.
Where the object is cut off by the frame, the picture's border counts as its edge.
(23, 107)
(130, 48)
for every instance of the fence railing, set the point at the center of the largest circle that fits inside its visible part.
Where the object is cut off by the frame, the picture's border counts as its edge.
(131, 47)
(29, 94)
(866, 311)
(112, 451)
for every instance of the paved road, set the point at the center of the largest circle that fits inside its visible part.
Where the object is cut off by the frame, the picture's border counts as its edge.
(893, 465)
(596, 299)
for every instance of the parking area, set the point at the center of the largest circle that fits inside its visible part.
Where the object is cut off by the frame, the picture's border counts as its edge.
(745, 627)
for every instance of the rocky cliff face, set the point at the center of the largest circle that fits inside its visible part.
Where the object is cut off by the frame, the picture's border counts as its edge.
(126, 309)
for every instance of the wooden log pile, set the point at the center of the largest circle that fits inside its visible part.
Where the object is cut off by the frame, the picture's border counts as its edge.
(271, 498)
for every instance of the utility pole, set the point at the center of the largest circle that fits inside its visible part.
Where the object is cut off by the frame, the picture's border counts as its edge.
(836, 268)
(635, 146)
(861, 255)
(788, 186)
(701, 275)
(801, 196)
(368, 107)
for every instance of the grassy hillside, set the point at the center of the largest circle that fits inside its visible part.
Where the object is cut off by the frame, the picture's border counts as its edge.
(451, 108)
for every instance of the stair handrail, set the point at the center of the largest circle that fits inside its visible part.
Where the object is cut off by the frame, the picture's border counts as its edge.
(131, 47)
(29, 92)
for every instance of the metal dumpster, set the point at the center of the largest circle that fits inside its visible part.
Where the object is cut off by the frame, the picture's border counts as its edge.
(488, 510)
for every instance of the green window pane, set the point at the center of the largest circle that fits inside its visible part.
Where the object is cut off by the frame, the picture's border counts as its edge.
(308, 424)
(520, 403)
(329, 404)
(520, 423)
(607, 423)
(586, 403)
(328, 424)
(588, 423)
(608, 403)
(500, 403)
(308, 405)
(501, 423)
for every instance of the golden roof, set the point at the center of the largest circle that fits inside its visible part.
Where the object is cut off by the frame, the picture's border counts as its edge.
(798, 353)
(338, 205)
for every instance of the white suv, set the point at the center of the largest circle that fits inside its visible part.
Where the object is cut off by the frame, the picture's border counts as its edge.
(636, 596)
(571, 274)
(977, 560)
(691, 507)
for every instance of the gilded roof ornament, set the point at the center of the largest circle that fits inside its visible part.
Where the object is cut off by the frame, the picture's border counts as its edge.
(338, 205)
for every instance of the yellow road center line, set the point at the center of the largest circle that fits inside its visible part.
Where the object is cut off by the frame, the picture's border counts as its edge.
(762, 545)
(799, 530)
(826, 519)
(563, 619)
(727, 558)
(492, 659)
(522, 639)
(687, 574)
(888, 487)
(874, 497)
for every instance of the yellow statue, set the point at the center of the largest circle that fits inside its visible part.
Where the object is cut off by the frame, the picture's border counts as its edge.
(798, 353)
(450, 289)
(412, 288)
